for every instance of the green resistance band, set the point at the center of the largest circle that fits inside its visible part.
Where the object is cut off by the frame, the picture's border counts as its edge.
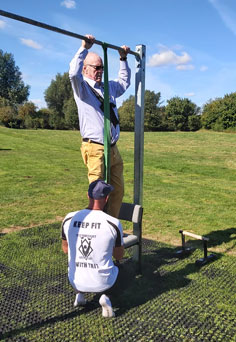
(107, 125)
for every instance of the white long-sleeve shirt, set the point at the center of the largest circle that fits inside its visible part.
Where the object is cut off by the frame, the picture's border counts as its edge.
(91, 117)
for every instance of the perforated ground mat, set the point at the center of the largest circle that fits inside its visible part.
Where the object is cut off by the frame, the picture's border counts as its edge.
(173, 301)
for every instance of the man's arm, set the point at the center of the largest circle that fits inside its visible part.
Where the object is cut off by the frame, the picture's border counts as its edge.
(118, 252)
(64, 246)
(119, 86)
(76, 64)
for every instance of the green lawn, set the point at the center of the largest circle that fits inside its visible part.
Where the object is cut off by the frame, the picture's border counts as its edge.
(189, 181)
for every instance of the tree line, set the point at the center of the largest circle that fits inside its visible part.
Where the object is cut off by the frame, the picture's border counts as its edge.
(179, 114)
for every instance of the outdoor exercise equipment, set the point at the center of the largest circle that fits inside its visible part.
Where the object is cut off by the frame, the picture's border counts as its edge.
(107, 126)
(186, 251)
(140, 57)
(133, 213)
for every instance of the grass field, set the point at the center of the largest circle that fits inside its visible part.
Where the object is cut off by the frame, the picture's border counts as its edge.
(189, 182)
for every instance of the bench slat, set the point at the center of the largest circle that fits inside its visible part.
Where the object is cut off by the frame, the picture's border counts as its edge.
(130, 240)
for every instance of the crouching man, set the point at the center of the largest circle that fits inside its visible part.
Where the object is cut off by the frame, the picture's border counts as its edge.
(91, 238)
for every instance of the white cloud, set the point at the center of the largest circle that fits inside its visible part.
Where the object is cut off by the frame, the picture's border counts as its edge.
(2, 24)
(39, 103)
(169, 57)
(31, 43)
(68, 4)
(227, 14)
(185, 67)
(203, 68)
(189, 94)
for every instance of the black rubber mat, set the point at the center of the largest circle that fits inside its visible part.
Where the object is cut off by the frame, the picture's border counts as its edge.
(172, 301)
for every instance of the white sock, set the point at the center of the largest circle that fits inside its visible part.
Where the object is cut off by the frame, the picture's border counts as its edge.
(79, 299)
(105, 303)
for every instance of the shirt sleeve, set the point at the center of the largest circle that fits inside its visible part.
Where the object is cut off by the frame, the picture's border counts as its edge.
(119, 233)
(66, 219)
(63, 235)
(120, 85)
(75, 70)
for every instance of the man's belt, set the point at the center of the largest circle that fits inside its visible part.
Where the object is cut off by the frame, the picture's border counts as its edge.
(95, 142)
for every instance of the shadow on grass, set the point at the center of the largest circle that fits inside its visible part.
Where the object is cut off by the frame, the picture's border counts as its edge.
(86, 309)
(161, 272)
(218, 237)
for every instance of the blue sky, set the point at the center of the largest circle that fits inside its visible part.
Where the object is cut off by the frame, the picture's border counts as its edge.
(191, 44)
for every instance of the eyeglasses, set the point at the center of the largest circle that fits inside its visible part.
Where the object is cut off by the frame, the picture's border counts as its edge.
(96, 67)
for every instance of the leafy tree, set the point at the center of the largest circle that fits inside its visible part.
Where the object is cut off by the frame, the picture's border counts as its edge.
(126, 114)
(71, 114)
(8, 114)
(228, 117)
(43, 115)
(153, 116)
(182, 114)
(12, 87)
(210, 113)
(220, 114)
(4, 102)
(56, 95)
(55, 120)
(194, 122)
(28, 114)
(8, 117)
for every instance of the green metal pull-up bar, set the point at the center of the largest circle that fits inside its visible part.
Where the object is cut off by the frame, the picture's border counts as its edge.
(107, 122)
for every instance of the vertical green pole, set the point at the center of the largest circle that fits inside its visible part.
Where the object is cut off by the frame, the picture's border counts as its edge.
(107, 135)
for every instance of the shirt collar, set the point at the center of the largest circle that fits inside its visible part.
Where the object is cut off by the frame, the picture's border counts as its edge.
(93, 83)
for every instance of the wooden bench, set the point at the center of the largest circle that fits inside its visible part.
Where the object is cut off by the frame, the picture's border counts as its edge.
(133, 213)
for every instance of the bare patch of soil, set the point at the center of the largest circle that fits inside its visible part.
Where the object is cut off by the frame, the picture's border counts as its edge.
(17, 228)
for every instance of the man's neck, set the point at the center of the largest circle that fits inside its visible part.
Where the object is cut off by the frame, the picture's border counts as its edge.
(93, 208)
(96, 204)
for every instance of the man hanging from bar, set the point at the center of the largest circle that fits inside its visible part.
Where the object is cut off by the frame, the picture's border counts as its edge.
(86, 71)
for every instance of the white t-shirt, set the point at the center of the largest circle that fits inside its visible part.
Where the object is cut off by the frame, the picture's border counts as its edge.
(91, 237)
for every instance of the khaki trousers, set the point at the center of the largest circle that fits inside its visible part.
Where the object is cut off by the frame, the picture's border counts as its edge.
(93, 157)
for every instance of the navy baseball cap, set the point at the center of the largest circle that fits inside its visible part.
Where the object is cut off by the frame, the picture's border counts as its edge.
(99, 189)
